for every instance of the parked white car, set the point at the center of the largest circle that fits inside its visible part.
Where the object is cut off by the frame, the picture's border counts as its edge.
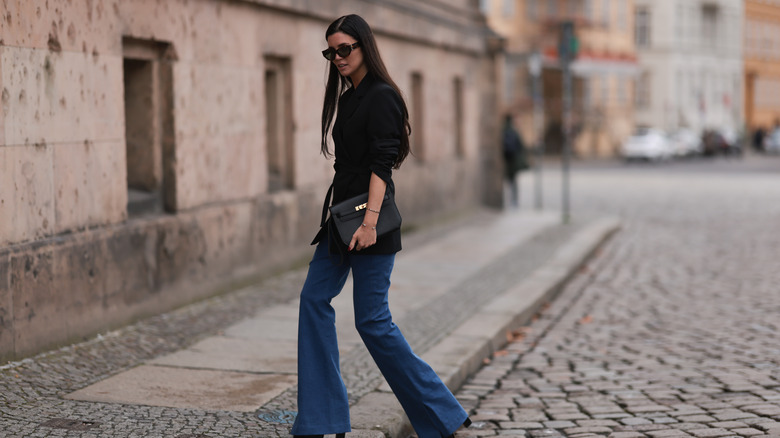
(772, 142)
(647, 144)
(686, 143)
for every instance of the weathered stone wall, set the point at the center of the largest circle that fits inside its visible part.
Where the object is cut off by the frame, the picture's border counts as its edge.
(74, 262)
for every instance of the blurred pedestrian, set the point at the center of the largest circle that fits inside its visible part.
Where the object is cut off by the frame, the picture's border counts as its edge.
(515, 158)
(758, 139)
(371, 138)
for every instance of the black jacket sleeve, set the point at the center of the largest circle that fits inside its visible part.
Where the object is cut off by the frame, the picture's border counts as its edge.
(384, 128)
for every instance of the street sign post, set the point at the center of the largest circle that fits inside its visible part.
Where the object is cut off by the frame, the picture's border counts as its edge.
(535, 68)
(567, 52)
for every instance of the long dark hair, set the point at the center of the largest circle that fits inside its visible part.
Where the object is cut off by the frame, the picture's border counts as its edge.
(356, 27)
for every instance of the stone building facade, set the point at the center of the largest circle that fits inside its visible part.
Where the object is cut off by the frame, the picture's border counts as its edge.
(153, 152)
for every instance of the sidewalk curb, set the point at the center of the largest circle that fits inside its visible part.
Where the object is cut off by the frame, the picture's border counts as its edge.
(460, 354)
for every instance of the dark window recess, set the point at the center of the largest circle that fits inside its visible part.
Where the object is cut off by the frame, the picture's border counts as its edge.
(417, 120)
(457, 97)
(149, 126)
(279, 124)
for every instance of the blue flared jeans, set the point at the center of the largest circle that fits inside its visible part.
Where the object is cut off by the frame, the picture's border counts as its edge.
(323, 405)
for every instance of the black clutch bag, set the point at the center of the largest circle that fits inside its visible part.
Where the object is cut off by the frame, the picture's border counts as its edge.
(348, 216)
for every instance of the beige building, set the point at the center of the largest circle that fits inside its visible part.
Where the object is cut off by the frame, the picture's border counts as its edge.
(762, 63)
(154, 151)
(690, 53)
(604, 71)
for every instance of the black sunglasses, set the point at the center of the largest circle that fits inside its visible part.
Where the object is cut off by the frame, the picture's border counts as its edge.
(343, 51)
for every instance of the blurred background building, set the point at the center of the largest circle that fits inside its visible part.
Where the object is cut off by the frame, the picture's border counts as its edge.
(690, 54)
(605, 69)
(762, 63)
(154, 152)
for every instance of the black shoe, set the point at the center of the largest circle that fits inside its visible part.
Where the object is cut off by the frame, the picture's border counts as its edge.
(466, 423)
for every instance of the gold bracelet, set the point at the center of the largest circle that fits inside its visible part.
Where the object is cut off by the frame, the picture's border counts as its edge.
(372, 210)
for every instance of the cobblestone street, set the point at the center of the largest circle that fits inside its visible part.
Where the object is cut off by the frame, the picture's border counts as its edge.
(670, 331)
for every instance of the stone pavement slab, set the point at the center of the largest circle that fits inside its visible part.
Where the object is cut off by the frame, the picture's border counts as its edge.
(209, 389)
(233, 354)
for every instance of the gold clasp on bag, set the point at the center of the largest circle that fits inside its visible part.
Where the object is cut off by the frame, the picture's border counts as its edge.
(361, 206)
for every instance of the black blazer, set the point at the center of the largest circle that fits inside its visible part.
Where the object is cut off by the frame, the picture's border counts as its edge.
(367, 136)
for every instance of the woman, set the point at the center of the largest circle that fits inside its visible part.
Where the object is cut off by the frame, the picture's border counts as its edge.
(371, 137)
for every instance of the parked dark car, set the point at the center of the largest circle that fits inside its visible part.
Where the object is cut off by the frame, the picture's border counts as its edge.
(714, 142)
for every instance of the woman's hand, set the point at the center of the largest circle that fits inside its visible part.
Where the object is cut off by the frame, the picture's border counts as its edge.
(364, 237)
